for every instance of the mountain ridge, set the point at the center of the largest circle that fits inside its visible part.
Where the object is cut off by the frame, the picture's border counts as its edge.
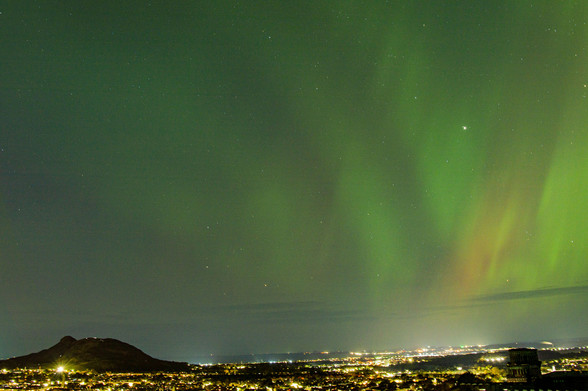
(98, 354)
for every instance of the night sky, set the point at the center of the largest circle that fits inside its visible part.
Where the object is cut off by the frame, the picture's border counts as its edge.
(227, 177)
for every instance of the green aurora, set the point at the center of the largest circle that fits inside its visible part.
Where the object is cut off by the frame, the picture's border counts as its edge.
(286, 176)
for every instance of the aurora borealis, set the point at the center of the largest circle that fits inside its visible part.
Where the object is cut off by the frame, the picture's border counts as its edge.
(233, 177)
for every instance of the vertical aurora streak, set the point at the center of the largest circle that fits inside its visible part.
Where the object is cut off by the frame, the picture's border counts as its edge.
(352, 175)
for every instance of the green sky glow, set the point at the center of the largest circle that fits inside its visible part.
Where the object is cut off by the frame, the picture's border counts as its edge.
(253, 176)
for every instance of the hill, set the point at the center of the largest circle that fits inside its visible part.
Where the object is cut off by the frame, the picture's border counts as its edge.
(98, 354)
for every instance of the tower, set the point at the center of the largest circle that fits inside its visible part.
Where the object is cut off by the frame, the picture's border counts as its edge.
(524, 365)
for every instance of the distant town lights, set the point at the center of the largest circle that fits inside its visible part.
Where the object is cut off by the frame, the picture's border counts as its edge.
(493, 359)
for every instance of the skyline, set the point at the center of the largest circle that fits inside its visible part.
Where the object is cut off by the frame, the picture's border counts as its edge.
(43, 357)
(265, 177)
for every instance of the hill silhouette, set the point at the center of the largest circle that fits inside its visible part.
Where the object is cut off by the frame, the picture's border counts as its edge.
(98, 354)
